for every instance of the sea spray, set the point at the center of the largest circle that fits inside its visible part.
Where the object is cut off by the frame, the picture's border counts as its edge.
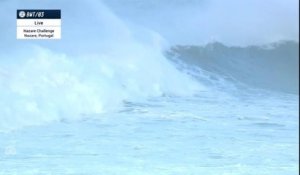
(94, 68)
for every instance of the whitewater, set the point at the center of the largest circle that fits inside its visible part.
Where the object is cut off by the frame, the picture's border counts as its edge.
(160, 87)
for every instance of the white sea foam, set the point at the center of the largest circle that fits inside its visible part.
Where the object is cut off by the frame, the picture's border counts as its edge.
(98, 64)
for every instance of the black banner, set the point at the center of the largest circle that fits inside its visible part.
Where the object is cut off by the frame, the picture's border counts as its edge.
(38, 14)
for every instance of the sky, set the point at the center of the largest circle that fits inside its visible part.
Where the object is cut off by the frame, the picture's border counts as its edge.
(232, 22)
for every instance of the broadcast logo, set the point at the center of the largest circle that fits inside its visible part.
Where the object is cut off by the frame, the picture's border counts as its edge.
(22, 14)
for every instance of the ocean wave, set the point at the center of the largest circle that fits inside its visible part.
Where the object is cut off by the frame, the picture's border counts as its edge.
(274, 66)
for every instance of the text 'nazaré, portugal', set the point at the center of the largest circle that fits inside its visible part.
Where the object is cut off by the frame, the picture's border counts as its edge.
(38, 24)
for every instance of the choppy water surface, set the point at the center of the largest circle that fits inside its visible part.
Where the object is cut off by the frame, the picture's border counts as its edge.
(167, 135)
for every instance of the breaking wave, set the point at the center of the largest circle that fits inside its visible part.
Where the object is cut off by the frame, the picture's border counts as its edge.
(103, 61)
(92, 70)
